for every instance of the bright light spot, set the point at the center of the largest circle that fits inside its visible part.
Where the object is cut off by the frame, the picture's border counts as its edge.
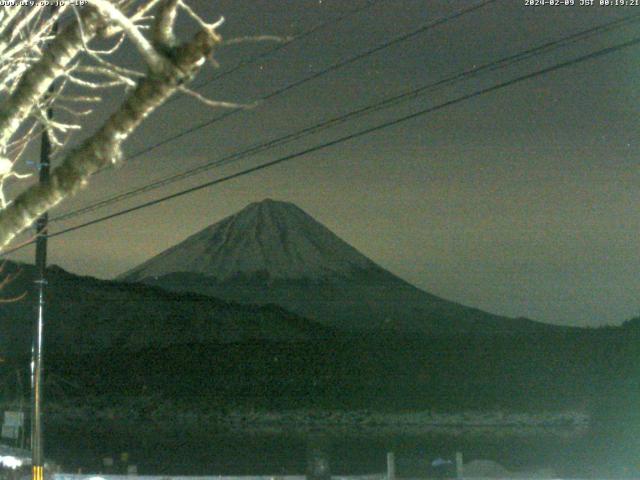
(5, 166)
(10, 461)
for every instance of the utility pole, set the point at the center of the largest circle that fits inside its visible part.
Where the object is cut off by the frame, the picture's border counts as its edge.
(37, 455)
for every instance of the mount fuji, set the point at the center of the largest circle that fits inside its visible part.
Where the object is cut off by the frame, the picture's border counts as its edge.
(272, 252)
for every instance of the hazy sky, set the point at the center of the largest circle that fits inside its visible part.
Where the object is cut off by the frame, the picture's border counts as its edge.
(521, 202)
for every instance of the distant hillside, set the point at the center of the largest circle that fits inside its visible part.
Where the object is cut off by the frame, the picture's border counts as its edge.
(86, 315)
(273, 252)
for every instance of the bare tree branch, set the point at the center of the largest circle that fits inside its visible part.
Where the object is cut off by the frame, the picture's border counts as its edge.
(35, 83)
(163, 28)
(154, 60)
(104, 147)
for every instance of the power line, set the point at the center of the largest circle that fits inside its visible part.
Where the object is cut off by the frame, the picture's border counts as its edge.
(242, 64)
(313, 76)
(318, 74)
(385, 103)
(442, 20)
(267, 54)
(345, 138)
(283, 45)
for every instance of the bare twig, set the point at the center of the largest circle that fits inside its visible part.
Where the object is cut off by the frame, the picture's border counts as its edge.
(257, 38)
(213, 103)
(6, 280)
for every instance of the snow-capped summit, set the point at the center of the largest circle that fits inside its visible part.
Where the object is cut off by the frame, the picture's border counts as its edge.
(271, 239)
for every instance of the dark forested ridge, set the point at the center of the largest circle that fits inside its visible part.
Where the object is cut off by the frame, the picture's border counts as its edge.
(583, 371)
(87, 315)
(112, 339)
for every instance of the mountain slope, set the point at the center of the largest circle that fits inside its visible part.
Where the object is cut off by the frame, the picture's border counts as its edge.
(271, 240)
(86, 315)
(273, 252)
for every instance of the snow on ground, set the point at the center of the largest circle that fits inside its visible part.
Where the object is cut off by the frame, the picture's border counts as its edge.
(567, 423)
